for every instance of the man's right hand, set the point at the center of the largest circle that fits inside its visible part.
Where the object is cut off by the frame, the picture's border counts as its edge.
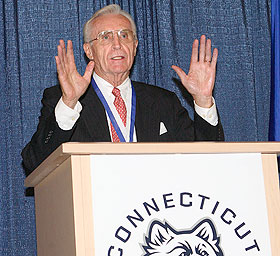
(72, 84)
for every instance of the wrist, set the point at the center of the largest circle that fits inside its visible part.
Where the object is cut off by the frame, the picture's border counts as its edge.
(70, 103)
(204, 101)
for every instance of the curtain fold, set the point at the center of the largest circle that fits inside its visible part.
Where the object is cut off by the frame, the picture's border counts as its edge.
(29, 34)
(274, 131)
(17, 211)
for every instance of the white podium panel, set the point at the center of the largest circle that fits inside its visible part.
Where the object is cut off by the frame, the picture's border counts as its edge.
(179, 204)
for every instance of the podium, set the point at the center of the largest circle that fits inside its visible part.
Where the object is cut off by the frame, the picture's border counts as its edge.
(67, 222)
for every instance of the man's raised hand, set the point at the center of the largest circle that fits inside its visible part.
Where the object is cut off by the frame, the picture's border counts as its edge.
(202, 72)
(72, 84)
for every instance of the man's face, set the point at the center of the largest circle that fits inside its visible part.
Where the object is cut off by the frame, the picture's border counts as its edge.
(113, 61)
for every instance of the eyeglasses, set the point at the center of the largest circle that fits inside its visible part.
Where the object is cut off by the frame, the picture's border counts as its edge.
(107, 37)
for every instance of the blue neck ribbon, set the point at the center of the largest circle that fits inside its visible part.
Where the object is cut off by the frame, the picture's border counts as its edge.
(111, 116)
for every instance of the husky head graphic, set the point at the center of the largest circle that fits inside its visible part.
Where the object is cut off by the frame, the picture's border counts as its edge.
(201, 240)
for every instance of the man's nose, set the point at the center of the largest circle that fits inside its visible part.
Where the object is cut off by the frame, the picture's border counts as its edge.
(116, 41)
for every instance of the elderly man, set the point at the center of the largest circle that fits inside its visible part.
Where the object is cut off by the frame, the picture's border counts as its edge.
(105, 105)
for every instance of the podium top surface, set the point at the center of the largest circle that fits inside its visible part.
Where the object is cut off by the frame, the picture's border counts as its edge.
(75, 148)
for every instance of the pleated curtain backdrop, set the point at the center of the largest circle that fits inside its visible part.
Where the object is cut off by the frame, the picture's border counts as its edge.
(29, 34)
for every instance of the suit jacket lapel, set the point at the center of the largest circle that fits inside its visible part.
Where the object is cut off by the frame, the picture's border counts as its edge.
(145, 120)
(94, 116)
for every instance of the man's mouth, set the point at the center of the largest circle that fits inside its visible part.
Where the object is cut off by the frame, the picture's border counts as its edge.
(117, 58)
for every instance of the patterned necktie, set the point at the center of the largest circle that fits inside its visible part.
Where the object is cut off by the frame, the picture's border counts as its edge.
(120, 107)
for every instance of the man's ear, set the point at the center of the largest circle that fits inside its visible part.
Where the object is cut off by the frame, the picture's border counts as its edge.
(135, 49)
(88, 51)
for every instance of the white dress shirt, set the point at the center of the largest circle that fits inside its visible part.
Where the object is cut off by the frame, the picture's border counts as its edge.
(66, 117)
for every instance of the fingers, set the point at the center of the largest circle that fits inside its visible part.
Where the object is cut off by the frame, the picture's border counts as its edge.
(202, 48)
(66, 57)
(63, 51)
(60, 62)
(208, 51)
(214, 58)
(60, 65)
(60, 54)
(204, 51)
(194, 57)
(89, 70)
(70, 55)
(180, 73)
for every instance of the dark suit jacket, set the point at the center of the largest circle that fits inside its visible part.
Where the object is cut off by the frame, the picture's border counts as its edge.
(153, 105)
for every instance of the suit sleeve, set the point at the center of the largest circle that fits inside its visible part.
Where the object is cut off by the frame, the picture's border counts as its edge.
(196, 130)
(48, 135)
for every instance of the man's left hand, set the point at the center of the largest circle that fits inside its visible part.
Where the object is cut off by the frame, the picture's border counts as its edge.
(202, 72)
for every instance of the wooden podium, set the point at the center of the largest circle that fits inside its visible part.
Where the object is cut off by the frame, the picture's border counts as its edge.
(63, 189)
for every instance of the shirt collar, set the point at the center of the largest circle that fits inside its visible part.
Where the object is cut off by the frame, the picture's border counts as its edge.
(106, 87)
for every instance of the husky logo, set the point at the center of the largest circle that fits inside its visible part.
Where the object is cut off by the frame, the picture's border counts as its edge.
(201, 240)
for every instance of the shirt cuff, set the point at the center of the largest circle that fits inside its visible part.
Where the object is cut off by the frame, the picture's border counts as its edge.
(67, 117)
(208, 114)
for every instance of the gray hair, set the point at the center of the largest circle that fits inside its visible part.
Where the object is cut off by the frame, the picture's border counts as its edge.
(109, 9)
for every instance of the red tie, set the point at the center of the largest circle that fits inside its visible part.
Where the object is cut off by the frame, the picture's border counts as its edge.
(120, 107)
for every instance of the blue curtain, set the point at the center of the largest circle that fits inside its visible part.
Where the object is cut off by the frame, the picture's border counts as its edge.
(30, 31)
(274, 131)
